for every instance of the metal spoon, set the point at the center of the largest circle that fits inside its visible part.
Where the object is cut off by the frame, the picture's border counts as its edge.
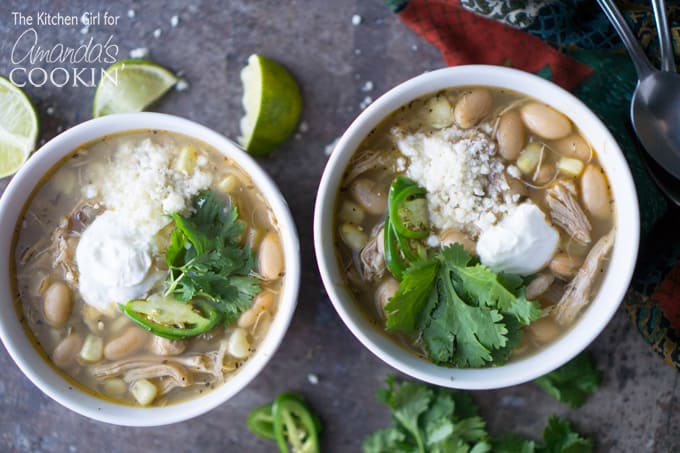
(655, 109)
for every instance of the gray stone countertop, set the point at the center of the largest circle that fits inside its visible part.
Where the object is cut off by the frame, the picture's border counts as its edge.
(638, 407)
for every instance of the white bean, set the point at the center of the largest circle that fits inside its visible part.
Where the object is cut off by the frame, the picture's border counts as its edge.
(451, 236)
(57, 304)
(353, 237)
(595, 192)
(369, 195)
(130, 341)
(384, 292)
(545, 121)
(262, 302)
(544, 174)
(351, 212)
(472, 107)
(67, 350)
(572, 145)
(239, 345)
(544, 330)
(539, 285)
(564, 266)
(511, 135)
(270, 257)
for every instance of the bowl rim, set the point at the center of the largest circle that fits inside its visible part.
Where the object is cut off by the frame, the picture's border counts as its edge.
(16, 341)
(591, 321)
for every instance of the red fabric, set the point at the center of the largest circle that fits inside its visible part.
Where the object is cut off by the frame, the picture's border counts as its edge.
(667, 297)
(466, 38)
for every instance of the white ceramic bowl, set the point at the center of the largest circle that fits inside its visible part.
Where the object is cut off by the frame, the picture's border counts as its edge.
(12, 332)
(591, 321)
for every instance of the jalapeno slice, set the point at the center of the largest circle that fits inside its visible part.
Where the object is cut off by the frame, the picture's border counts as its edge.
(261, 422)
(295, 425)
(172, 319)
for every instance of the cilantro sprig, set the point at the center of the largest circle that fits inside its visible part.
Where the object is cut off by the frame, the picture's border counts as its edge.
(465, 314)
(438, 420)
(207, 261)
(574, 382)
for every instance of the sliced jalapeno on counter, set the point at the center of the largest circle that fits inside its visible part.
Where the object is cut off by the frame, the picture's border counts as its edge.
(261, 422)
(295, 425)
(172, 319)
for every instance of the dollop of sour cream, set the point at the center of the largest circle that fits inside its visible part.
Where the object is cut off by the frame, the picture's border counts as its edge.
(114, 262)
(523, 242)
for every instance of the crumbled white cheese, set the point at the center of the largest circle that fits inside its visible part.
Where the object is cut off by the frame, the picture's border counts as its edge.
(312, 378)
(368, 86)
(139, 52)
(304, 127)
(365, 102)
(174, 21)
(328, 149)
(142, 183)
(357, 51)
(157, 33)
(182, 85)
(131, 13)
(50, 110)
(356, 20)
(462, 173)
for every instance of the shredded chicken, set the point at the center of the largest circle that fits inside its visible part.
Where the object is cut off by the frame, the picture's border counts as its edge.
(176, 372)
(566, 212)
(373, 256)
(163, 346)
(368, 160)
(539, 285)
(198, 363)
(577, 293)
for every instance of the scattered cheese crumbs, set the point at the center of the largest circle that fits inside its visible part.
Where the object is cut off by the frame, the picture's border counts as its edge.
(514, 171)
(142, 183)
(356, 20)
(463, 176)
(304, 127)
(432, 241)
(181, 85)
(312, 378)
(157, 33)
(368, 86)
(131, 13)
(50, 110)
(328, 149)
(400, 164)
(365, 102)
(357, 51)
(414, 47)
(174, 21)
(139, 52)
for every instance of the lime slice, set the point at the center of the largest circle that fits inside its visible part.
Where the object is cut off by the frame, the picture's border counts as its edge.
(131, 86)
(18, 128)
(272, 101)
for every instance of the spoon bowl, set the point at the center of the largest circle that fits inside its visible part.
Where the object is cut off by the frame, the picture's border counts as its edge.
(655, 108)
(655, 113)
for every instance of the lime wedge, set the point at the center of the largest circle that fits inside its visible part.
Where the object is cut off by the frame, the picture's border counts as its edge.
(272, 101)
(18, 128)
(131, 86)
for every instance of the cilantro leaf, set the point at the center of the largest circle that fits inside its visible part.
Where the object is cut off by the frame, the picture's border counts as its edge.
(405, 306)
(464, 314)
(559, 438)
(512, 443)
(574, 382)
(428, 419)
(206, 259)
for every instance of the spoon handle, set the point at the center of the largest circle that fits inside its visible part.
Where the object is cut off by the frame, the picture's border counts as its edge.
(667, 57)
(640, 61)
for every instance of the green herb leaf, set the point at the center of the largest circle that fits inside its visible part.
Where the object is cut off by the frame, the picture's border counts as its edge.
(512, 443)
(558, 437)
(206, 258)
(405, 306)
(465, 314)
(428, 419)
(574, 382)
